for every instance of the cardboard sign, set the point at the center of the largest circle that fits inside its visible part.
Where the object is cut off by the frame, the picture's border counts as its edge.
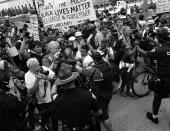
(121, 4)
(163, 6)
(66, 13)
(13, 51)
(32, 26)
(34, 23)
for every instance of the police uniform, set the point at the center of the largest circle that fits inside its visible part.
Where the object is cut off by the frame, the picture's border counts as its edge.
(74, 107)
(162, 55)
(102, 88)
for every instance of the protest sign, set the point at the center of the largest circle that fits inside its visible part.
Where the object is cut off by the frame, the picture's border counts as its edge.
(66, 13)
(121, 4)
(34, 23)
(30, 20)
(163, 6)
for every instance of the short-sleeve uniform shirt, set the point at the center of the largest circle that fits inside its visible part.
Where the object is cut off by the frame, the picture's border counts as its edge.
(75, 106)
(162, 55)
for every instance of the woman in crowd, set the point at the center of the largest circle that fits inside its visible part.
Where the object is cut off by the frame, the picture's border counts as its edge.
(53, 52)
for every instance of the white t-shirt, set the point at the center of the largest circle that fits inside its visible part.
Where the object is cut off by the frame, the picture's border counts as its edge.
(87, 61)
(43, 96)
(30, 77)
(44, 91)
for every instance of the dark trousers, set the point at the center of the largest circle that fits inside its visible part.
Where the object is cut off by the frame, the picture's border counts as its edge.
(103, 99)
(52, 116)
(162, 92)
(126, 77)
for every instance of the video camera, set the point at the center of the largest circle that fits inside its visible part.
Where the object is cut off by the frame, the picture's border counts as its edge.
(42, 71)
(60, 61)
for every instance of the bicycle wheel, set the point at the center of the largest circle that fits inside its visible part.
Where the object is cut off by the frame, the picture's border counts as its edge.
(139, 84)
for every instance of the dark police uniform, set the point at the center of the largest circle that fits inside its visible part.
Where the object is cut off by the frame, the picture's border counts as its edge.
(162, 55)
(74, 107)
(102, 87)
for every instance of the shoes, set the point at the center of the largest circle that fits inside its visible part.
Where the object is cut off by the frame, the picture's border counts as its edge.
(123, 94)
(150, 117)
(130, 94)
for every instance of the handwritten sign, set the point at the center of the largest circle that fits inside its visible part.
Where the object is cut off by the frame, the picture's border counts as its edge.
(121, 4)
(163, 6)
(34, 23)
(66, 13)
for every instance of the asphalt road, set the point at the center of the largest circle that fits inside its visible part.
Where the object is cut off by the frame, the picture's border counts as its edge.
(128, 114)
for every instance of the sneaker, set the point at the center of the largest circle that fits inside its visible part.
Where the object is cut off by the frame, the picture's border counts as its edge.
(123, 94)
(130, 94)
(150, 117)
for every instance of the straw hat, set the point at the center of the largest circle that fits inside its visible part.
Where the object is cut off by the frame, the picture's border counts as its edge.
(65, 74)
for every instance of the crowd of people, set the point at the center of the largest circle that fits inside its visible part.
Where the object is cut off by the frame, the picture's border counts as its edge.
(68, 76)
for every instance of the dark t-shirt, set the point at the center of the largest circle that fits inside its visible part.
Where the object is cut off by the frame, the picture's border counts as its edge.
(162, 55)
(74, 107)
(21, 61)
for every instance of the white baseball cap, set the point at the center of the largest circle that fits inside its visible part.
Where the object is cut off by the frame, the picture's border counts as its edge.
(72, 38)
(78, 34)
(150, 22)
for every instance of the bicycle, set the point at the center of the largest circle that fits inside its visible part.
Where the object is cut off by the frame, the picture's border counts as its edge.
(143, 76)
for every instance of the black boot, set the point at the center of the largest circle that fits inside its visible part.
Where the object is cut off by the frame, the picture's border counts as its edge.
(150, 117)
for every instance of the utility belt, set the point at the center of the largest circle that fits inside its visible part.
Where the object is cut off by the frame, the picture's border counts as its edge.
(77, 128)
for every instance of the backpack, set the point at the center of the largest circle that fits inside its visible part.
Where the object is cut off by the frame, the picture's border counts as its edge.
(107, 77)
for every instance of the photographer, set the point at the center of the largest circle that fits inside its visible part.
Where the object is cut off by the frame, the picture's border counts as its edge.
(75, 107)
(11, 106)
(106, 51)
(38, 83)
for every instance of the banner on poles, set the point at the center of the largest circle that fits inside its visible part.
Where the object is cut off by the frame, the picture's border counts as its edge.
(64, 13)
(163, 6)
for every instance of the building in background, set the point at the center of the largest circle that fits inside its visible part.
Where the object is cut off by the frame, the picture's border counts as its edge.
(5, 4)
(98, 2)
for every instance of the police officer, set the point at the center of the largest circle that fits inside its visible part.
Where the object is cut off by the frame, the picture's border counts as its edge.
(75, 106)
(11, 107)
(102, 76)
(162, 55)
